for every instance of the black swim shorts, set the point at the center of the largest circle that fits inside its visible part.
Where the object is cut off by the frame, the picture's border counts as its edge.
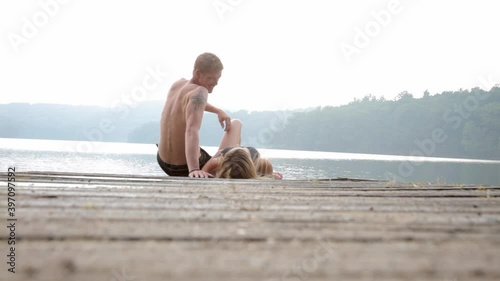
(182, 170)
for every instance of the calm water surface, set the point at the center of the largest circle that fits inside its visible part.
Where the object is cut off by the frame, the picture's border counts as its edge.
(128, 158)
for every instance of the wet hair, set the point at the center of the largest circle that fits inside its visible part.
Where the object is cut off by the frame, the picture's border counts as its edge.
(208, 62)
(236, 164)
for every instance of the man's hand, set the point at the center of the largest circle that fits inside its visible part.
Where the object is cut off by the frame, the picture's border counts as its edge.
(200, 174)
(224, 118)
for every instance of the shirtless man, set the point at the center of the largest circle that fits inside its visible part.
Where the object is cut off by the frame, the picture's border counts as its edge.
(179, 151)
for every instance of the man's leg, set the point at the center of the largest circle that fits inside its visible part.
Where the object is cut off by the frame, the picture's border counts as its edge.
(231, 137)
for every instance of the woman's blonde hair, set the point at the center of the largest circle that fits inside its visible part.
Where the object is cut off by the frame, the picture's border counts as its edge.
(264, 167)
(236, 164)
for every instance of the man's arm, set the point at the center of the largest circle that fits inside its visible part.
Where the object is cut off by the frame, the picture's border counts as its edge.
(223, 117)
(211, 108)
(194, 114)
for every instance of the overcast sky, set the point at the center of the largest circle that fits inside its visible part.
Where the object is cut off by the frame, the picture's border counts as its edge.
(284, 54)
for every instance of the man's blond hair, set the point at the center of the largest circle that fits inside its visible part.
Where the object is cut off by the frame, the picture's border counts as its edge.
(208, 62)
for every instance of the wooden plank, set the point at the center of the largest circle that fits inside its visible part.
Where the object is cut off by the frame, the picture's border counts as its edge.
(270, 260)
(100, 227)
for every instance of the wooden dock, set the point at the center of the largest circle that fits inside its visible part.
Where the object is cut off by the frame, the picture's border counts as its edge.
(98, 227)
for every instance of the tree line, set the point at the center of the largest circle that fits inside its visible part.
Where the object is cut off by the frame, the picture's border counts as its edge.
(464, 123)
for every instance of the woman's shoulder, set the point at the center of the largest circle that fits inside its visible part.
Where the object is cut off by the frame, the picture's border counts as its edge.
(254, 153)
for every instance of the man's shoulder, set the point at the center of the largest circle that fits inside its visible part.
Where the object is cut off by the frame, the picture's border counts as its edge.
(184, 86)
(179, 83)
(188, 86)
(190, 91)
(197, 90)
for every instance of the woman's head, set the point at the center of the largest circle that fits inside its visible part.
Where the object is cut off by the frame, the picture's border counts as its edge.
(236, 163)
(264, 167)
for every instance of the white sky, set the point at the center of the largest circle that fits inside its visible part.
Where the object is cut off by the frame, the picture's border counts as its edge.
(278, 54)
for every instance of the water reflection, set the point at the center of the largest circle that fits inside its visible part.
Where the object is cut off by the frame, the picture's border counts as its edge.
(433, 172)
(23, 160)
(487, 173)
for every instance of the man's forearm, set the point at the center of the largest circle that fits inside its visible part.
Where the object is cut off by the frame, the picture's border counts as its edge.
(211, 108)
(192, 148)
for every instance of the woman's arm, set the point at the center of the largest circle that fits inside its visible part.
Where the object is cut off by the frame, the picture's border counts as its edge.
(211, 165)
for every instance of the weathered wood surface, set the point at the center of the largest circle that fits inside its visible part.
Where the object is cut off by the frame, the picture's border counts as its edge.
(124, 228)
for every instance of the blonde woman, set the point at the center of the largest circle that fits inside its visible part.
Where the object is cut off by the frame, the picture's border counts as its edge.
(235, 161)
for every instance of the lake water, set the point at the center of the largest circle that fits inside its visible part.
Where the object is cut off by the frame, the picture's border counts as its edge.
(131, 158)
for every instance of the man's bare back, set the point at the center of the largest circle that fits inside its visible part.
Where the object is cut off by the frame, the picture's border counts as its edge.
(173, 122)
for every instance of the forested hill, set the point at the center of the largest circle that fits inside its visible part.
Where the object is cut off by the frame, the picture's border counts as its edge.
(452, 124)
(139, 123)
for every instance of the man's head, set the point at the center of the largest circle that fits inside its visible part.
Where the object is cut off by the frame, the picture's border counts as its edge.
(207, 71)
